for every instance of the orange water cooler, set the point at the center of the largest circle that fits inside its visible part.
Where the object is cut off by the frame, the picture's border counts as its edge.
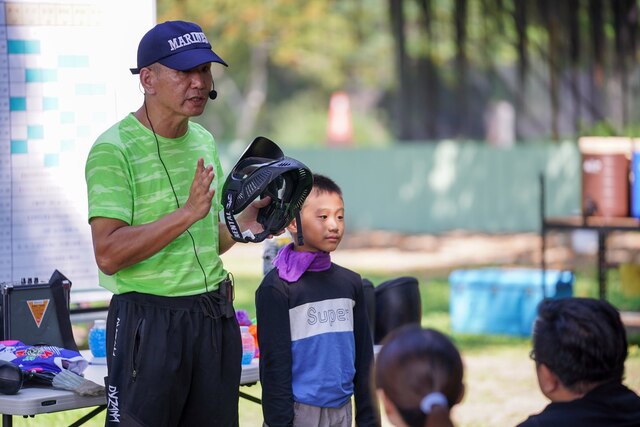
(605, 176)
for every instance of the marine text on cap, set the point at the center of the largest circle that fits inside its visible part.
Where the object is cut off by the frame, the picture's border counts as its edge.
(187, 39)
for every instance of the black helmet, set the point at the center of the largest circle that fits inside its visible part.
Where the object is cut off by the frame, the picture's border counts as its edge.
(11, 377)
(263, 170)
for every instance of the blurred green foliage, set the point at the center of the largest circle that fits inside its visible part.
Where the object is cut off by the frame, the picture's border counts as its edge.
(604, 128)
(285, 60)
(415, 78)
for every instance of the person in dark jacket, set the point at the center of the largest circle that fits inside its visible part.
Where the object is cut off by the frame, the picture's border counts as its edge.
(579, 347)
(315, 345)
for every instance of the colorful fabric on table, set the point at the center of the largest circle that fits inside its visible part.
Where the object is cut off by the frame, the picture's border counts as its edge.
(45, 358)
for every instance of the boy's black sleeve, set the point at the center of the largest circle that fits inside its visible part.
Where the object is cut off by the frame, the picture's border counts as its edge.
(274, 340)
(366, 405)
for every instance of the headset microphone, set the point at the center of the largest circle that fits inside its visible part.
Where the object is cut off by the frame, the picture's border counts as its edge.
(213, 94)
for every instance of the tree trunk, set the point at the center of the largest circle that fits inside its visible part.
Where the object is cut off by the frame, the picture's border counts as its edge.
(548, 12)
(520, 19)
(256, 94)
(572, 12)
(623, 21)
(431, 86)
(596, 12)
(396, 12)
(460, 14)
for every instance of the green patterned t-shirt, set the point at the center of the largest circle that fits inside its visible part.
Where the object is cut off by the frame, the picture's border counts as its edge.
(127, 181)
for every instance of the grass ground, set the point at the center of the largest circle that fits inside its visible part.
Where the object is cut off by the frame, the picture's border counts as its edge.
(500, 378)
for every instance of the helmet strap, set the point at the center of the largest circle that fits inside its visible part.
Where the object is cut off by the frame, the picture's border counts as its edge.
(230, 219)
(299, 228)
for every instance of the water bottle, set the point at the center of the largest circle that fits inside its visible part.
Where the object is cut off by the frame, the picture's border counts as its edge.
(98, 340)
(248, 347)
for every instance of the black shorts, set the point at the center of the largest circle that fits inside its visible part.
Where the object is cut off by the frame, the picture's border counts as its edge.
(172, 361)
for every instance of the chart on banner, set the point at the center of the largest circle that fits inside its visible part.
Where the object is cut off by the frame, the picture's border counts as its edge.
(62, 83)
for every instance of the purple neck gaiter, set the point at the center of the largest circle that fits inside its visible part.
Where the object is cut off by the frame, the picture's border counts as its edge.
(292, 264)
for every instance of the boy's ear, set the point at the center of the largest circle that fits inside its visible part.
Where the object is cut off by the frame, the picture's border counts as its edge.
(292, 227)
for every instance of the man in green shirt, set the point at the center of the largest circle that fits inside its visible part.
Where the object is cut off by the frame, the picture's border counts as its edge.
(154, 185)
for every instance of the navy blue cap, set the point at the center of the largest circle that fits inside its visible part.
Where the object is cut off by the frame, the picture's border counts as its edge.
(175, 44)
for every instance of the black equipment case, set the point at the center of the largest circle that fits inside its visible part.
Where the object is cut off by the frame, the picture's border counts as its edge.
(37, 313)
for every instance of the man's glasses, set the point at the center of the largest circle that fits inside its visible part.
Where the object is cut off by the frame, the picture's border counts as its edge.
(532, 356)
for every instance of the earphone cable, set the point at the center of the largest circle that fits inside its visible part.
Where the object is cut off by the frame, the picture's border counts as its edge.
(175, 195)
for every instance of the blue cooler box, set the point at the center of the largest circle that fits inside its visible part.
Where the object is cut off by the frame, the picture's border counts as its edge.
(502, 301)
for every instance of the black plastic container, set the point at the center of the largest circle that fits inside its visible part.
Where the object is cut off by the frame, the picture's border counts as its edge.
(370, 300)
(397, 304)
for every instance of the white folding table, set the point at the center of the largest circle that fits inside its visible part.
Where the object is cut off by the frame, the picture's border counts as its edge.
(44, 400)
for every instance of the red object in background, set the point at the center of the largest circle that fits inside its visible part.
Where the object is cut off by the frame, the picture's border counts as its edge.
(339, 127)
(253, 330)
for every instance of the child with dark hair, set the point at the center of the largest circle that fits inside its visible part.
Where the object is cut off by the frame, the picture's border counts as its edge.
(418, 375)
(579, 347)
(315, 344)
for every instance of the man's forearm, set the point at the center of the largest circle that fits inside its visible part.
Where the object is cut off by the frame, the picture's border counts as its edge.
(118, 245)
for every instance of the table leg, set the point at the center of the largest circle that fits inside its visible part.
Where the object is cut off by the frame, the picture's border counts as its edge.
(7, 420)
(602, 264)
(250, 398)
(90, 415)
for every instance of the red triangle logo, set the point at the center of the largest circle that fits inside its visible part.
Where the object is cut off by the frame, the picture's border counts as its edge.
(38, 308)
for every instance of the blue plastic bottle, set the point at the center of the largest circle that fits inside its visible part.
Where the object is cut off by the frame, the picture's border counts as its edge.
(98, 339)
(248, 347)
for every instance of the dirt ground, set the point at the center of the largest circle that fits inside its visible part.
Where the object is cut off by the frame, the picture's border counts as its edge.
(390, 252)
(460, 248)
(395, 252)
